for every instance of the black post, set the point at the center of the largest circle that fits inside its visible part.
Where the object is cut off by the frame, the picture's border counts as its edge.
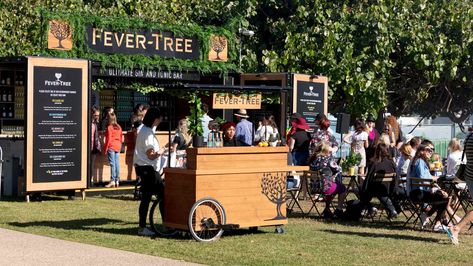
(171, 117)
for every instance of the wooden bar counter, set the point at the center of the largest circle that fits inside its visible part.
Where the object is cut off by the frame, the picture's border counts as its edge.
(249, 182)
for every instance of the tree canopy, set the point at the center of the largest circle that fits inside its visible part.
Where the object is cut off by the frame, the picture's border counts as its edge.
(411, 56)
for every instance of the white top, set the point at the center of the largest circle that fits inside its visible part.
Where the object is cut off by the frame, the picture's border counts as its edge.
(264, 133)
(205, 125)
(362, 136)
(453, 161)
(144, 141)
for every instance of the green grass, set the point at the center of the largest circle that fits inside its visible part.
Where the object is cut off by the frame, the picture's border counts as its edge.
(112, 222)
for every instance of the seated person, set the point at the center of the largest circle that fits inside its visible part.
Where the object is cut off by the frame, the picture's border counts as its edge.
(323, 161)
(419, 168)
(229, 138)
(382, 163)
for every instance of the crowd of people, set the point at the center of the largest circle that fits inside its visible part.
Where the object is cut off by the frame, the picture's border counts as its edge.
(407, 158)
(385, 151)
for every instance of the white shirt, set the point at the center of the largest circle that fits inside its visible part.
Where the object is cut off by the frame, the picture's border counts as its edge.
(144, 141)
(264, 133)
(453, 160)
(205, 125)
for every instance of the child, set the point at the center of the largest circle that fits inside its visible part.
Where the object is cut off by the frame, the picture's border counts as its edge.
(323, 161)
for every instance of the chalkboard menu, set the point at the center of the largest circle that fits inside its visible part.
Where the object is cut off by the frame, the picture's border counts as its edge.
(57, 126)
(310, 97)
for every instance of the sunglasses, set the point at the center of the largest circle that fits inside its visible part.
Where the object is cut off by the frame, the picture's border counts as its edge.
(429, 150)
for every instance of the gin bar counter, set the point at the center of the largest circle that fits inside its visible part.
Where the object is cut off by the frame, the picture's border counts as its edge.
(249, 182)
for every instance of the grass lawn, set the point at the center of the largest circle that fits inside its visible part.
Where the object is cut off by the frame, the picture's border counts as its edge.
(112, 222)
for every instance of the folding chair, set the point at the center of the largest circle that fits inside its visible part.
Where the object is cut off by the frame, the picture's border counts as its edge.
(388, 179)
(418, 208)
(294, 193)
(313, 179)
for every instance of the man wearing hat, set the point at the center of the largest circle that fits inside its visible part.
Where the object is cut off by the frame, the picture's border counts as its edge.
(244, 128)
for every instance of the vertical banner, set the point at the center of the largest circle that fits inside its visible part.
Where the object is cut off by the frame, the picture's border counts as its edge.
(310, 97)
(57, 134)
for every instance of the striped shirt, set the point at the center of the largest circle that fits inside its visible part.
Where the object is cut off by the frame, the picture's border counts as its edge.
(469, 157)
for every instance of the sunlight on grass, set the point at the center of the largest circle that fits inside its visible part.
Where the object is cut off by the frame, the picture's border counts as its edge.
(112, 222)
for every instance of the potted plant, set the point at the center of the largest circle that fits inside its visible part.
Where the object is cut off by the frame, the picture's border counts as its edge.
(195, 121)
(349, 163)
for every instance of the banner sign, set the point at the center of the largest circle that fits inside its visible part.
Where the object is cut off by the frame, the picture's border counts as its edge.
(146, 42)
(310, 97)
(57, 124)
(145, 73)
(231, 101)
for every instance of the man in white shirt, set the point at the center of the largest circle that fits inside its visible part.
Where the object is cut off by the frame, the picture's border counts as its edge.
(205, 121)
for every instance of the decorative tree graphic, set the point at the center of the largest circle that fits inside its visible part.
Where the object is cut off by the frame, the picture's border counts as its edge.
(274, 188)
(218, 44)
(60, 31)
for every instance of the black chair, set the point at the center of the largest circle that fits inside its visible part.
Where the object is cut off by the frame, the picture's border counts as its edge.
(294, 193)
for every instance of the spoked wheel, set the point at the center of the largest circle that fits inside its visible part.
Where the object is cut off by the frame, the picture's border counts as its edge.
(156, 221)
(206, 219)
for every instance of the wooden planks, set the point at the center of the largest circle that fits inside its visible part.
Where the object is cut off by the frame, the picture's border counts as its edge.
(233, 177)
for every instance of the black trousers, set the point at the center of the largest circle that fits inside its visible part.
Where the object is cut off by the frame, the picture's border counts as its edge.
(382, 192)
(151, 183)
(439, 203)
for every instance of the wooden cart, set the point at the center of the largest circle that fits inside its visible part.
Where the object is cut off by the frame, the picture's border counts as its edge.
(227, 188)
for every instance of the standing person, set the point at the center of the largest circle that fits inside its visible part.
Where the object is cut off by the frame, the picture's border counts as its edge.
(229, 137)
(373, 136)
(181, 141)
(267, 131)
(468, 218)
(323, 134)
(137, 116)
(112, 147)
(95, 145)
(299, 142)
(393, 129)
(359, 142)
(205, 121)
(147, 161)
(454, 156)
(107, 111)
(244, 128)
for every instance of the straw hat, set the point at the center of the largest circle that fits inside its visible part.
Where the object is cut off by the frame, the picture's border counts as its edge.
(242, 113)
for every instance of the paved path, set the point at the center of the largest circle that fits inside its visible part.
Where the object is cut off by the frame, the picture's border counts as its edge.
(17, 248)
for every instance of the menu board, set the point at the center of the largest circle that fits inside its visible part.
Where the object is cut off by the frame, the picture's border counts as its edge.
(310, 97)
(57, 125)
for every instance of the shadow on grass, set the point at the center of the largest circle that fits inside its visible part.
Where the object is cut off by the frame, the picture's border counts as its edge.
(95, 225)
(381, 235)
(125, 197)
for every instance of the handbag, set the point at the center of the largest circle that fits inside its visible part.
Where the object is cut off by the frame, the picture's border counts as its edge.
(460, 174)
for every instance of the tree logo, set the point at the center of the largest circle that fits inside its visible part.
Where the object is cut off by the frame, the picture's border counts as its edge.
(59, 35)
(274, 188)
(218, 48)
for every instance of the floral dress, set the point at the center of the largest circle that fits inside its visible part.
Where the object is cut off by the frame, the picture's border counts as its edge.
(358, 146)
(322, 162)
(322, 135)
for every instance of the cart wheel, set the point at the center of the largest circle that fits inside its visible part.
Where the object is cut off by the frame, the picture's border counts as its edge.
(156, 221)
(279, 229)
(206, 219)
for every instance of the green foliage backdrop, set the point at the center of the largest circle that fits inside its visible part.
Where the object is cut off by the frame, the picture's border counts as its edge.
(411, 56)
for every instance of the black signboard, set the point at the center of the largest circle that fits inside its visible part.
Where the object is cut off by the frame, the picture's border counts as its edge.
(146, 42)
(310, 100)
(57, 124)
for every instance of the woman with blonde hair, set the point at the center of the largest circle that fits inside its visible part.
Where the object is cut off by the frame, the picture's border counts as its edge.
(181, 141)
(404, 160)
(454, 156)
(331, 184)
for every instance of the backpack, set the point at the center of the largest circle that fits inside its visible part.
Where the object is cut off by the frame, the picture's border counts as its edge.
(353, 211)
